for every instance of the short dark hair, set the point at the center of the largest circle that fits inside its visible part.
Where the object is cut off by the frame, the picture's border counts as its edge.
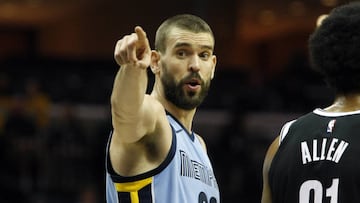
(186, 22)
(335, 48)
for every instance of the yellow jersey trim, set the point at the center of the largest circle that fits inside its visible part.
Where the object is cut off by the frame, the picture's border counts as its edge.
(133, 188)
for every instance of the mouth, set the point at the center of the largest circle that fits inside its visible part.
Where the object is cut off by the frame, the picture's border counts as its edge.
(193, 84)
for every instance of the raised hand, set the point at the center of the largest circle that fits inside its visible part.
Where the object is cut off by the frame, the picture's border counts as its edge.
(133, 49)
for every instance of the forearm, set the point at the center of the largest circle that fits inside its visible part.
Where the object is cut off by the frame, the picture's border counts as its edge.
(128, 94)
(133, 54)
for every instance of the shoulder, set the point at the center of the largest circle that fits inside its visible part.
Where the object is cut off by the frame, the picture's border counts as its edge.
(129, 155)
(202, 142)
(284, 130)
(272, 150)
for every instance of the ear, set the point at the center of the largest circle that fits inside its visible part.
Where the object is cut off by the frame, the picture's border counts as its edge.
(320, 19)
(155, 59)
(214, 60)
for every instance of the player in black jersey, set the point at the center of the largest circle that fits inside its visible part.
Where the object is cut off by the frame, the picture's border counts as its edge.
(315, 159)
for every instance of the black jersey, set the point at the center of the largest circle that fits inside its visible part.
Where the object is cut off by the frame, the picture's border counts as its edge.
(318, 160)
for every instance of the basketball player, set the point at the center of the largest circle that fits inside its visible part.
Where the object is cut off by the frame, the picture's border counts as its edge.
(153, 155)
(316, 157)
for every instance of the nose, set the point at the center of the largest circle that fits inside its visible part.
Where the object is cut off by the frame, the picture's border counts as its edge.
(194, 64)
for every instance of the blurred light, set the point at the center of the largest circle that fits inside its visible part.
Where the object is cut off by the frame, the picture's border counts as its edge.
(7, 10)
(329, 3)
(297, 8)
(34, 3)
(267, 17)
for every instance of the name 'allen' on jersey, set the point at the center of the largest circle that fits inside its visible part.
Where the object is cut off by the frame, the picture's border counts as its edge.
(330, 149)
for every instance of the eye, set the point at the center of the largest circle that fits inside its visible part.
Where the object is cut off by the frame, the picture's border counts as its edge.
(181, 53)
(205, 55)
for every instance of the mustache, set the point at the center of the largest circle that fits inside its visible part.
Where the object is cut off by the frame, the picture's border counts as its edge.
(193, 76)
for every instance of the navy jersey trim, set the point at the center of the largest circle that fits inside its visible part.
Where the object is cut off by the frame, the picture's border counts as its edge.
(124, 197)
(191, 135)
(122, 179)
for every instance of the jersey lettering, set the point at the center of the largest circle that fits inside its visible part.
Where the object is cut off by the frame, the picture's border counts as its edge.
(196, 170)
(320, 151)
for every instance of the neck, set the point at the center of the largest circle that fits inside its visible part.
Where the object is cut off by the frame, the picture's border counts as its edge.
(185, 117)
(345, 103)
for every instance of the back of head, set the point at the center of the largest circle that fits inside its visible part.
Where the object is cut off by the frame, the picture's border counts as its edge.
(186, 22)
(335, 48)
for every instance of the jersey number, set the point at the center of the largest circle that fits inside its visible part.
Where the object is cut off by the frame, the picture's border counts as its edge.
(203, 198)
(317, 188)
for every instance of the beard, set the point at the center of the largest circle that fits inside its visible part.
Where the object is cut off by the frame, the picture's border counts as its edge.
(176, 94)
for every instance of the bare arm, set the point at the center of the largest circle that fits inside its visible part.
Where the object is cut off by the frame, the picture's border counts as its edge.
(128, 104)
(138, 119)
(266, 193)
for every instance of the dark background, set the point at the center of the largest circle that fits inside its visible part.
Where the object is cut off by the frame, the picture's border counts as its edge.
(57, 69)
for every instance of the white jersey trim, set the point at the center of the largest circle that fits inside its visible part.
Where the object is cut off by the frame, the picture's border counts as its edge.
(322, 112)
(285, 130)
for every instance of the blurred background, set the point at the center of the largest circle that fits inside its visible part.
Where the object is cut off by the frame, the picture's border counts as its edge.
(57, 70)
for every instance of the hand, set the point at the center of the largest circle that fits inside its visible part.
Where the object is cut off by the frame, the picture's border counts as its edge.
(133, 49)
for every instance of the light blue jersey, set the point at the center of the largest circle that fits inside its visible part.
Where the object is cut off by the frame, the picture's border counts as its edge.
(185, 176)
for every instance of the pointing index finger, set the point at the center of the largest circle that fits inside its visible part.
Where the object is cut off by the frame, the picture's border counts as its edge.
(141, 34)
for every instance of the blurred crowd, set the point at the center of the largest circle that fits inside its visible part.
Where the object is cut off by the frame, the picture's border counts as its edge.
(46, 157)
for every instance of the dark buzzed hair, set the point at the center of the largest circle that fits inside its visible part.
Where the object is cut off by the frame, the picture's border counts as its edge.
(335, 48)
(186, 22)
